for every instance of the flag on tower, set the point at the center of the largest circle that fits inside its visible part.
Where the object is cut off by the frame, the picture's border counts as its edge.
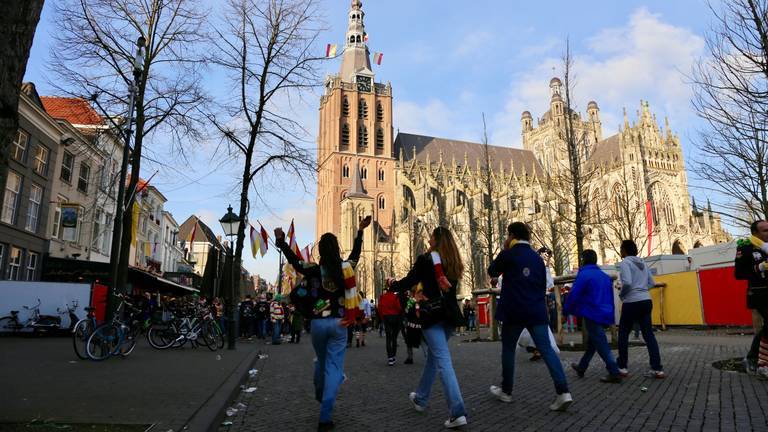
(365, 37)
(255, 241)
(377, 57)
(330, 50)
(264, 240)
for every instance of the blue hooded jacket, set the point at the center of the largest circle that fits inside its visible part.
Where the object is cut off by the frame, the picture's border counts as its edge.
(524, 287)
(591, 296)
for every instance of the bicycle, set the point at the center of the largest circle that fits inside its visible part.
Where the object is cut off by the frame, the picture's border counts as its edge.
(82, 331)
(36, 321)
(193, 324)
(114, 338)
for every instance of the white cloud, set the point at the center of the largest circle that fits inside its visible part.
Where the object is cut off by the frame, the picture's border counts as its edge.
(644, 59)
(472, 42)
(436, 118)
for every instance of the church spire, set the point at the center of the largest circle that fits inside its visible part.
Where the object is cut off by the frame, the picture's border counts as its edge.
(356, 57)
(356, 188)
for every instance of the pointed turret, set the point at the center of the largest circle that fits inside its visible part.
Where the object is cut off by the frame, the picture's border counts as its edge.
(356, 58)
(356, 188)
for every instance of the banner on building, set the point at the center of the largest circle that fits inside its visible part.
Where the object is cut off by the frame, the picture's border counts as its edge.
(69, 215)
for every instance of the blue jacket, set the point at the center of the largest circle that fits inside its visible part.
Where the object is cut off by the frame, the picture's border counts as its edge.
(591, 296)
(523, 289)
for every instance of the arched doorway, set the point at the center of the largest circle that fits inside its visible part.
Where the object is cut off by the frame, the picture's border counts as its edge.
(698, 244)
(677, 248)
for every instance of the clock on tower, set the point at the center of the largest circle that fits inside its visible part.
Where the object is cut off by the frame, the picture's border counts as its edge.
(364, 83)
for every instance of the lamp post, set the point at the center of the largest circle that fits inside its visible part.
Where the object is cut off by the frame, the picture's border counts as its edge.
(230, 223)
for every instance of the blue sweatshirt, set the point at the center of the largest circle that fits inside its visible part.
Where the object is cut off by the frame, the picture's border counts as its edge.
(591, 296)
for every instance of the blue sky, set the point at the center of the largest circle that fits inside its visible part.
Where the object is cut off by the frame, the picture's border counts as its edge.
(451, 61)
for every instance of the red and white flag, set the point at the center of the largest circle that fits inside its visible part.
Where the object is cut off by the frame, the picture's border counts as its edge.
(378, 57)
(292, 240)
(330, 51)
(649, 222)
(264, 240)
(306, 254)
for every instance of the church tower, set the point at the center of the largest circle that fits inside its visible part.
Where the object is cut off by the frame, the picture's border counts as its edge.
(355, 131)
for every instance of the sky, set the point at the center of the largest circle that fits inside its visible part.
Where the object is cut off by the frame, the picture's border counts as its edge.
(450, 63)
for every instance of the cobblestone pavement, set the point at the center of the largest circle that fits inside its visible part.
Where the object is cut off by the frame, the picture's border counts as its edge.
(694, 397)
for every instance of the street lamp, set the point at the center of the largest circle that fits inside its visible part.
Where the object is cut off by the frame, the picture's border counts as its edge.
(230, 223)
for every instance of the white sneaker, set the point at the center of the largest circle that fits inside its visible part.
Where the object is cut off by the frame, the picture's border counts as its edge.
(500, 395)
(762, 372)
(455, 422)
(655, 374)
(623, 373)
(416, 406)
(562, 402)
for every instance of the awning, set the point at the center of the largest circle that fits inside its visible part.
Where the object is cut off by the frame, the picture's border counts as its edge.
(151, 282)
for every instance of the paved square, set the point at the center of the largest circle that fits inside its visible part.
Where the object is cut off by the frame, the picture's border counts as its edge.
(694, 397)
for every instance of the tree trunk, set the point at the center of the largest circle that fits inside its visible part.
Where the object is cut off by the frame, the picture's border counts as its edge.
(18, 23)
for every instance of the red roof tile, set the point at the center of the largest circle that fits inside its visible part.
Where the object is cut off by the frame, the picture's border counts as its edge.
(74, 110)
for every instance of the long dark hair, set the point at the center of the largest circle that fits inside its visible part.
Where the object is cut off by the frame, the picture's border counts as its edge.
(330, 257)
(449, 253)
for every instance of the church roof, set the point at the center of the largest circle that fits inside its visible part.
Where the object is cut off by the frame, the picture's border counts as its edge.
(523, 161)
(202, 234)
(607, 150)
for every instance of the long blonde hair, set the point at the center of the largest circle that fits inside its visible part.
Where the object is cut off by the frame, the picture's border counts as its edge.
(449, 253)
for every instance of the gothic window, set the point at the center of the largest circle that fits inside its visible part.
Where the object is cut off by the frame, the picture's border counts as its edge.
(617, 203)
(512, 204)
(345, 171)
(381, 175)
(362, 136)
(358, 38)
(381, 203)
(345, 135)
(380, 139)
(351, 39)
(364, 173)
(362, 110)
(379, 112)
(345, 107)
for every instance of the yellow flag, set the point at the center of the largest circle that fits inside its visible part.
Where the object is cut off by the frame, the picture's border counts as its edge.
(147, 249)
(134, 223)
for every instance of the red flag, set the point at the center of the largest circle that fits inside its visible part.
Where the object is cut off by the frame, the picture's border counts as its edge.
(649, 222)
(264, 240)
(306, 254)
(194, 231)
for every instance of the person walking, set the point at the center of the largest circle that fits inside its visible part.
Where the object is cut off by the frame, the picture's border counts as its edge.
(636, 307)
(335, 297)
(523, 306)
(277, 315)
(297, 325)
(391, 313)
(261, 316)
(438, 271)
(411, 325)
(591, 299)
(246, 317)
(750, 265)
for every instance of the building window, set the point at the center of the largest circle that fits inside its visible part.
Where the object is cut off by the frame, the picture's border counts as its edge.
(379, 112)
(32, 259)
(106, 239)
(345, 171)
(67, 166)
(11, 199)
(380, 139)
(41, 160)
(33, 209)
(362, 110)
(381, 175)
(345, 107)
(364, 173)
(345, 135)
(381, 203)
(362, 136)
(19, 145)
(82, 180)
(14, 263)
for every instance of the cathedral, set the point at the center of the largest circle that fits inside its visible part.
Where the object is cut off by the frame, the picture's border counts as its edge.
(632, 184)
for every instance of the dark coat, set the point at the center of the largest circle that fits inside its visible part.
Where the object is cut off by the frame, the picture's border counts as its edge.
(423, 272)
(524, 286)
(746, 268)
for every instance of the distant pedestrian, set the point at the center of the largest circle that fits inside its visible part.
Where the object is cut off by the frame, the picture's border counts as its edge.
(391, 314)
(751, 265)
(469, 314)
(523, 306)
(277, 314)
(336, 297)
(637, 306)
(591, 298)
(297, 325)
(261, 316)
(246, 317)
(412, 327)
(439, 272)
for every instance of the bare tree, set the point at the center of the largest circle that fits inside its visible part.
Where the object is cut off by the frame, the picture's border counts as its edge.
(18, 23)
(93, 58)
(265, 47)
(731, 96)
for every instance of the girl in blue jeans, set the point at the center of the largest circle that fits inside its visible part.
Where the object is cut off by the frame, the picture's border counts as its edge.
(438, 272)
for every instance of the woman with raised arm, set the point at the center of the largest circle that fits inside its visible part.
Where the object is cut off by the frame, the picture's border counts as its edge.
(438, 271)
(334, 299)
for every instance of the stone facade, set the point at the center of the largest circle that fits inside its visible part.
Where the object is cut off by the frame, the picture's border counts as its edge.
(414, 183)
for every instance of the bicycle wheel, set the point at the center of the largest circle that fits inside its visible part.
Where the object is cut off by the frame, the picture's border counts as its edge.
(162, 336)
(219, 335)
(8, 324)
(80, 334)
(103, 342)
(128, 340)
(209, 336)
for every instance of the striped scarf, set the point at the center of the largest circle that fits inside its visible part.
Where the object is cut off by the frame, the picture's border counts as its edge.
(442, 281)
(351, 296)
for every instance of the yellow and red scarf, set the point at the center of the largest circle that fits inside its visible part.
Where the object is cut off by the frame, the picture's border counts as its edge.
(352, 298)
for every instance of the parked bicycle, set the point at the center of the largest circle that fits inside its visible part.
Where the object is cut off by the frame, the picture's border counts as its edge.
(81, 331)
(36, 321)
(117, 337)
(190, 323)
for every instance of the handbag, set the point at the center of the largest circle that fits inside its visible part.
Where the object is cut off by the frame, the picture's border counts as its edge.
(435, 310)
